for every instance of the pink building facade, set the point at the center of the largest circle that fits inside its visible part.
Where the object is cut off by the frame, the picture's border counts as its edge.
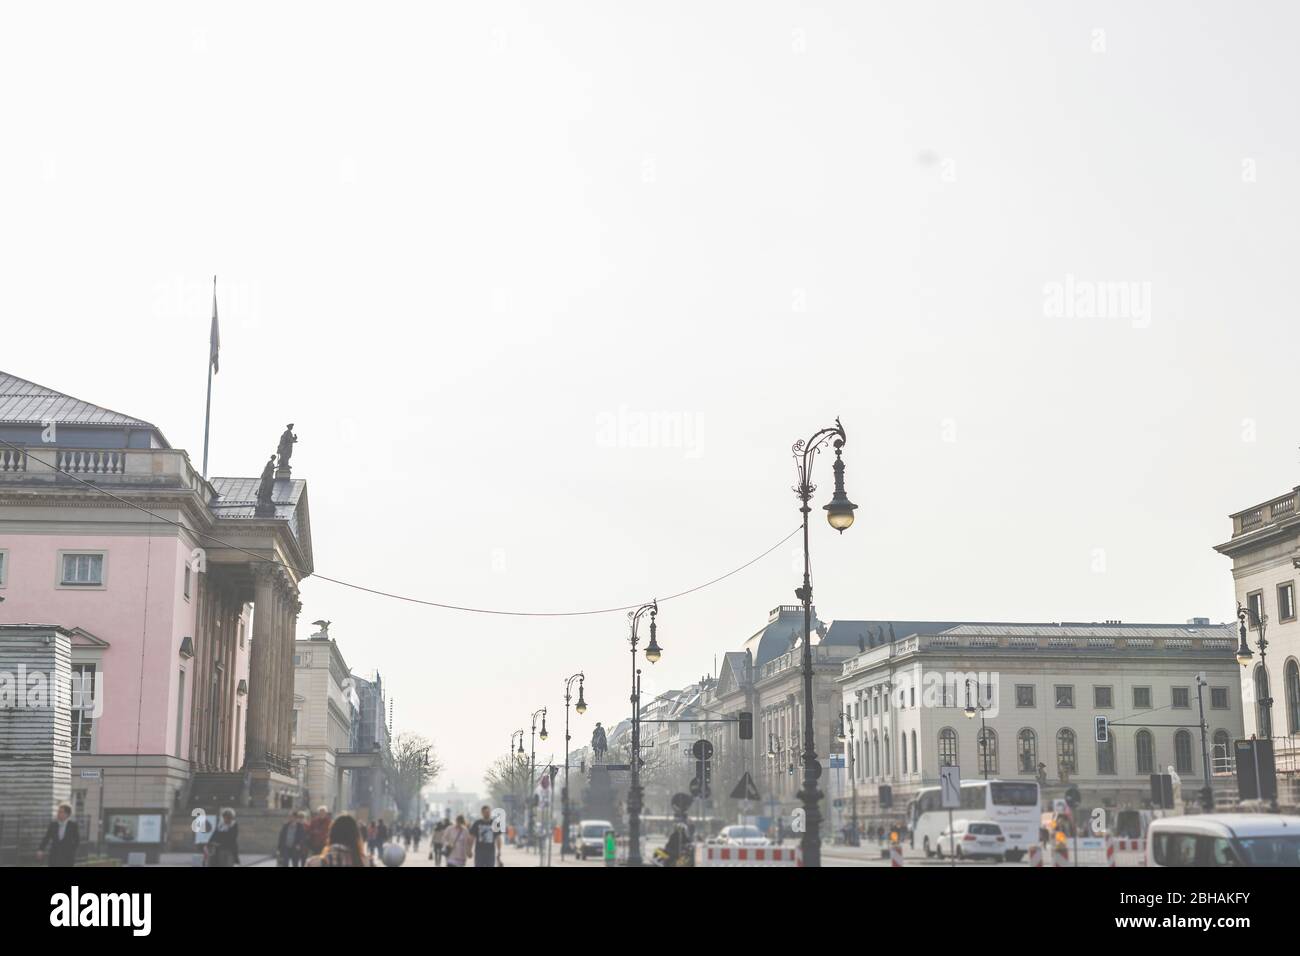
(181, 594)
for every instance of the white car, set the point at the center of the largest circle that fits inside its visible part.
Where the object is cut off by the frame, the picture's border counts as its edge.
(742, 835)
(969, 839)
(591, 837)
(1224, 839)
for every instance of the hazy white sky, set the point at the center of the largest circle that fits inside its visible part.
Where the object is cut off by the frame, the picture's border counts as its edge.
(468, 248)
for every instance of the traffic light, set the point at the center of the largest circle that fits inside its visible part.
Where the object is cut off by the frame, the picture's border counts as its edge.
(1072, 797)
(746, 725)
(1101, 729)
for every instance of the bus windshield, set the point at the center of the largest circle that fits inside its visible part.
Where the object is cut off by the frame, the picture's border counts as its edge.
(1014, 794)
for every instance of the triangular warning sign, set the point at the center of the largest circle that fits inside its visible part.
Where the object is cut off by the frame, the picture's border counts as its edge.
(745, 790)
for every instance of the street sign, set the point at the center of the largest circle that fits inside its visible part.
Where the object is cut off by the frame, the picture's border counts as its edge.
(702, 749)
(837, 761)
(681, 802)
(950, 787)
(745, 789)
(90, 775)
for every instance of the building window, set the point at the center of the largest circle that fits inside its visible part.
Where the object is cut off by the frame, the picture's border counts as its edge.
(1142, 698)
(83, 707)
(986, 746)
(911, 695)
(241, 633)
(1180, 697)
(1066, 755)
(947, 747)
(1286, 601)
(4, 566)
(887, 753)
(1106, 756)
(1221, 754)
(1024, 695)
(902, 754)
(1103, 697)
(1027, 750)
(1254, 608)
(82, 570)
(1183, 752)
(1145, 747)
(180, 711)
(187, 581)
(1219, 698)
(1263, 725)
(1291, 681)
(1064, 695)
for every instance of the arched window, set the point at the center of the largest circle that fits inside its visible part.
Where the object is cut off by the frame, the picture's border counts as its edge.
(875, 753)
(986, 746)
(1221, 753)
(1183, 752)
(887, 752)
(1291, 680)
(916, 765)
(1027, 751)
(1144, 746)
(947, 747)
(902, 753)
(1263, 726)
(1067, 760)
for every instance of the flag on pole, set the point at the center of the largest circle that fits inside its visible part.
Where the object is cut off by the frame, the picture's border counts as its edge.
(214, 338)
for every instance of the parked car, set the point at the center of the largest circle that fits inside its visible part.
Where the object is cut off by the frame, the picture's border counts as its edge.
(1224, 839)
(591, 837)
(741, 834)
(969, 839)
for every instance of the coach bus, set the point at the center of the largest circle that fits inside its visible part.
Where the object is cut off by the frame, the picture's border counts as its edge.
(1014, 804)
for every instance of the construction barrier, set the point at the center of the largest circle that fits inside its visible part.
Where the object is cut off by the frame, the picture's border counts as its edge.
(747, 856)
(1035, 855)
(895, 855)
(1098, 851)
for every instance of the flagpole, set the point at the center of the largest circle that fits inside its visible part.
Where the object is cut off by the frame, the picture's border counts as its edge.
(207, 413)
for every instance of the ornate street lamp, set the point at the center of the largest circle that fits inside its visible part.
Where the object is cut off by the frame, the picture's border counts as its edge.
(840, 515)
(847, 720)
(652, 654)
(582, 709)
(532, 768)
(1244, 657)
(981, 745)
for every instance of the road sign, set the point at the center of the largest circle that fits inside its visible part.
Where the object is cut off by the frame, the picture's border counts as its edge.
(90, 775)
(702, 749)
(837, 761)
(745, 789)
(681, 802)
(950, 787)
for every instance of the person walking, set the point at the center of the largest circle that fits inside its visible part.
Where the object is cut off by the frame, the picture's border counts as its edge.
(291, 848)
(318, 830)
(344, 846)
(487, 841)
(417, 834)
(223, 848)
(457, 843)
(381, 834)
(438, 848)
(61, 838)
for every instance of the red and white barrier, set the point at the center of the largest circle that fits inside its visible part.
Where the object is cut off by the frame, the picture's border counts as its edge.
(709, 855)
(1035, 855)
(895, 855)
(1060, 855)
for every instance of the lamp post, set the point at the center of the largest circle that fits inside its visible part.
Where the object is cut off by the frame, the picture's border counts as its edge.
(840, 515)
(652, 653)
(516, 757)
(532, 771)
(847, 720)
(981, 745)
(1244, 657)
(582, 709)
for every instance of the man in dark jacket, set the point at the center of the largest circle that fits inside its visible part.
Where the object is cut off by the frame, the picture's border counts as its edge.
(61, 838)
(292, 848)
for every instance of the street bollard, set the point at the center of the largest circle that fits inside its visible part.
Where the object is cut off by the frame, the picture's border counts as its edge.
(1110, 851)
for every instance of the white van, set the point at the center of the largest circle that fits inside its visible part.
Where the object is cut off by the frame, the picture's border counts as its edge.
(591, 838)
(1224, 839)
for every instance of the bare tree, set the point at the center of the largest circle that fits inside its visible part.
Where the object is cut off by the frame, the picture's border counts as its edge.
(414, 765)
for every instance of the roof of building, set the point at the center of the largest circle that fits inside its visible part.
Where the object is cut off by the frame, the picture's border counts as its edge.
(875, 633)
(783, 629)
(237, 498)
(27, 403)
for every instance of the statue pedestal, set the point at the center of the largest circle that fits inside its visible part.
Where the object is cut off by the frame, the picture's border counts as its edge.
(599, 799)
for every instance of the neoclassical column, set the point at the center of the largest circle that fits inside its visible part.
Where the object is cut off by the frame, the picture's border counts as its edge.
(293, 607)
(261, 693)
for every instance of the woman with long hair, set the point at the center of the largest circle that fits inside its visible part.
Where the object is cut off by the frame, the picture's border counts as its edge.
(345, 846)
(223, 846)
